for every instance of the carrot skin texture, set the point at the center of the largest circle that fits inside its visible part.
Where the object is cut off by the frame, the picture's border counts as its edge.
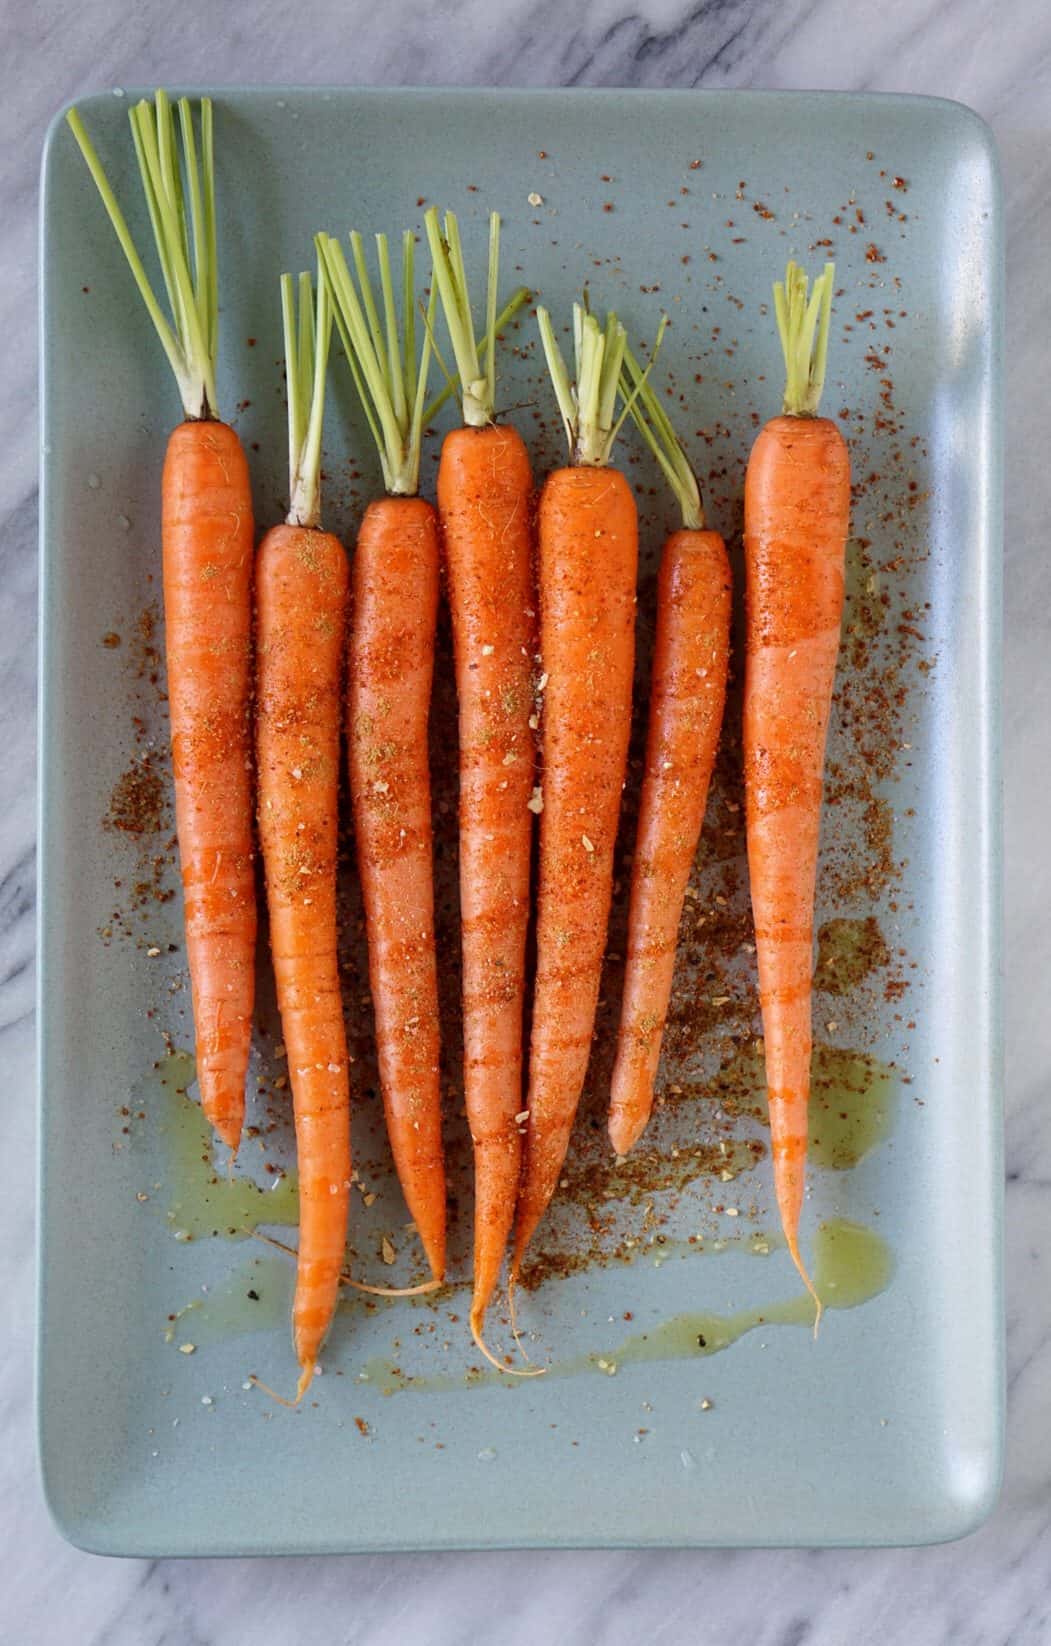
(485, 488)
(588, 566)
(797, 511)
(687, 696)
(207, 537)
(301, 610)
(391, 665)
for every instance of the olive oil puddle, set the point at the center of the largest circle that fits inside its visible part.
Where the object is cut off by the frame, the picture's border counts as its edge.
(206, 1201)
(852, 1266)
(255, 1297)
(853, 1100)
(848, 952)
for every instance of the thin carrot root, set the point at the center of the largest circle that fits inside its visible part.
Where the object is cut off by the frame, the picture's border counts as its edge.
(348, 1280)
(290, 1405)
(392, 1291)
(279, 1245)
(512, 1281)
(796, 1256)
(509, 1371)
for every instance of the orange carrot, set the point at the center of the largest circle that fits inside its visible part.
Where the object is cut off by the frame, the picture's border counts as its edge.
(687, 694)
(395, 607)
(391, 662)
(207, 536)
(301, 609)
(485, 504)
(797, 506)
(588, 556)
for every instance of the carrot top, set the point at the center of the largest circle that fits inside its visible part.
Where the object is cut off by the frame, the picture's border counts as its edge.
(588, 404)
(306, 358)
(185, 243)
(658, 431)
(802, 325)
(477, 386)
(382, 358)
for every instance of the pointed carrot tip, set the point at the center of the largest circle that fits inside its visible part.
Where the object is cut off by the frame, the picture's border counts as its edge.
(229, 1133)
(624, 1133)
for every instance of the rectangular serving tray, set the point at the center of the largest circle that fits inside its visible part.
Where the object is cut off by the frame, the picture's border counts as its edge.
(888, 1428)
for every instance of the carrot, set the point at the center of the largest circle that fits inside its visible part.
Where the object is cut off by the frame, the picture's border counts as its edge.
(687, 694)
(391, 663)
(588, 555)
(207, 536)
(797, 507)
(485, 488)
(301, 610)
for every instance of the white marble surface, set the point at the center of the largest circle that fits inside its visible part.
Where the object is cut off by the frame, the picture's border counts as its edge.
(996, 1586)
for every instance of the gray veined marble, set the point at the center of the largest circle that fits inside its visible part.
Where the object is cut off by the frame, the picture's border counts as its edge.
(994, 1588)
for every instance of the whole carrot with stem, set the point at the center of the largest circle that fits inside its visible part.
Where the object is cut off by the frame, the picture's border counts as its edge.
(390, 669)
(797, 513)
(587, 569)
(207, 539)
(687, 694)
(485, 494)
(301, 614)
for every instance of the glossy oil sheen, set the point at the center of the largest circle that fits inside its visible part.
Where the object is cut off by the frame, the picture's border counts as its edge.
(888, 1429)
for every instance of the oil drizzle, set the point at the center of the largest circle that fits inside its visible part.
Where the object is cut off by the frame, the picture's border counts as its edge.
(255, 1297)
(848, 951)
(853, 1100)
(206, 1201)
(852, 1265)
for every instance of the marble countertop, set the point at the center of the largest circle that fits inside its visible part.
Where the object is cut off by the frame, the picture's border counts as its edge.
(994, 1587)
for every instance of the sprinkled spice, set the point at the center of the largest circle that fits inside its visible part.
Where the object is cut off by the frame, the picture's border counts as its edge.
(138, 801)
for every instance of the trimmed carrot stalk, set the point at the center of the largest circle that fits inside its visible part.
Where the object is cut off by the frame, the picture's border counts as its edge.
(797, 509)
(207, 537)
(687, 695)
(395, 607)
(485, 488)
(391, 664)
(301, 612)
(587, 569)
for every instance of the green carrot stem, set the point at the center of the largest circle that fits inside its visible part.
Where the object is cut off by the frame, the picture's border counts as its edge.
(658, 431)
(477, 385)
(803, 326)
(588, 402)
(306, 362)
(452, 386)
(170, 168)
(392, 389)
